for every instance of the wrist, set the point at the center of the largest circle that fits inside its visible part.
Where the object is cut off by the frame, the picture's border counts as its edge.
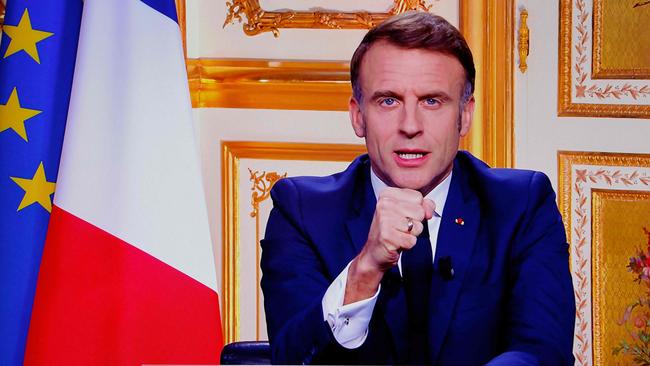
(362, 282)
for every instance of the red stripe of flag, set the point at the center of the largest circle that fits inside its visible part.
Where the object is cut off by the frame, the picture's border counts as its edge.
(99, 300)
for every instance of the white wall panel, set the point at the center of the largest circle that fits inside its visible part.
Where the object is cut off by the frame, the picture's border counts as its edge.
(214, 125)
(539, 132)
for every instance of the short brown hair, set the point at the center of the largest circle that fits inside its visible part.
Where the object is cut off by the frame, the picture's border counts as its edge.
(416, 30)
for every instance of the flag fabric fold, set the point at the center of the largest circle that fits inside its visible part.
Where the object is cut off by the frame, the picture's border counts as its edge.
(127, 275)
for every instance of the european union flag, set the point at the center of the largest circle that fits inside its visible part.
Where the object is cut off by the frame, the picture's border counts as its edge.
(37, 58)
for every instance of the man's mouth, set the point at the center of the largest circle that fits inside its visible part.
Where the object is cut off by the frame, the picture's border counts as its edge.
(410, 156)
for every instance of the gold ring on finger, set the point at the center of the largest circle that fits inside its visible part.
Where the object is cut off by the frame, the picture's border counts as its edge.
(409, 224)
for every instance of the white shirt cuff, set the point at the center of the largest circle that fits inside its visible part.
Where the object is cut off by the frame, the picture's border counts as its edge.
(349, 323)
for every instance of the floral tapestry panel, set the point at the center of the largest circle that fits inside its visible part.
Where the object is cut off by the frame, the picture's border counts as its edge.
(620, 219)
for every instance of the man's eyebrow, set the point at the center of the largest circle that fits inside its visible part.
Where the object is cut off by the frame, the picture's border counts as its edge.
(436, 95)
(385, 94)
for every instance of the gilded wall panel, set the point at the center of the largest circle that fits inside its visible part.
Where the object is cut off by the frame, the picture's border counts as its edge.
(621, 46)
(604, 199)
(590, 33)
(619, 218)
(249, 171)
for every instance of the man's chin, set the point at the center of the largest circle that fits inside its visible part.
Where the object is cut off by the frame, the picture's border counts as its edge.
(414, 185)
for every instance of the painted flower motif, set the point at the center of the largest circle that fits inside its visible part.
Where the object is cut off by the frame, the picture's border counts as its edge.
(640, 321)
(581, 175)
(636, 317)
(580, 91)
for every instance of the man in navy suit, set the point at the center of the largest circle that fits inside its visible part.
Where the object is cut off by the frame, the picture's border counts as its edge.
(417, 253)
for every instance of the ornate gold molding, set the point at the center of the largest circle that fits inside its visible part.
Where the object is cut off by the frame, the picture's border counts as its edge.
(609, 91)
(488, 26)
(262, 182)
(259, 20)
(574, 190)
(261, 187)
(269, 84)
(566, 159)
(232, 152)
(524, 40)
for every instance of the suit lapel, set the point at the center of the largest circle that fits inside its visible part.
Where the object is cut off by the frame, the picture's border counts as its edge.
(456, 238)
(358, 224)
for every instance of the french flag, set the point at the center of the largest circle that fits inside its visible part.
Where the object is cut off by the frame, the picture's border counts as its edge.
(127, 275)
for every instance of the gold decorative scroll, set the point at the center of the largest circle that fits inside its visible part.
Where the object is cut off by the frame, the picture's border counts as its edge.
(579, 92)
(259, 20)
(232, 152)
(579, 174)
(262, 184)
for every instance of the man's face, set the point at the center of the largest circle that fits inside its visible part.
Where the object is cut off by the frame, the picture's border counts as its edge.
(411, 114)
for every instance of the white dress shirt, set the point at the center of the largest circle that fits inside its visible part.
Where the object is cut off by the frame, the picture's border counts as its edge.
(349, 323)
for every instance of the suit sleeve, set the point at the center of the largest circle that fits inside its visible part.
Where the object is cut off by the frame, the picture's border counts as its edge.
(294, 281)
(541, 307)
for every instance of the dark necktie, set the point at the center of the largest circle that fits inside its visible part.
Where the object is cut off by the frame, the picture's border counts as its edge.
(417, 266)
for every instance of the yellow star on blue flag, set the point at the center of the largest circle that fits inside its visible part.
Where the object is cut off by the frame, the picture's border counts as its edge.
(24, 37)
(13, 115)
(37, 189)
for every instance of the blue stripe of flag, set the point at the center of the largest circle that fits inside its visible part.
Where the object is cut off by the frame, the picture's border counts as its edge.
(44, 87)
(166, 7)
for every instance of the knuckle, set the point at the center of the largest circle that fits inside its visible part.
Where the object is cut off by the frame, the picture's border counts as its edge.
(389, 192)
(420, 213)
(409, 241)
(415, 196)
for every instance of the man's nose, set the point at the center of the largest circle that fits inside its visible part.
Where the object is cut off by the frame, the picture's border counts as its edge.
(410, 123)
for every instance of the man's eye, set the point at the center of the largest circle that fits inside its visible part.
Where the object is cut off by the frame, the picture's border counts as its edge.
(388, 101)
(431, 101)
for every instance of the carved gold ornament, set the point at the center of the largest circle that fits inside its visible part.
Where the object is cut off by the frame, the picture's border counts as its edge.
(259, 20)
(524, 40)
(262, 182)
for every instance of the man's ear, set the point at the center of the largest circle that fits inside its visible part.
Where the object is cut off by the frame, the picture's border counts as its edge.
(466, 116)
(356, 117)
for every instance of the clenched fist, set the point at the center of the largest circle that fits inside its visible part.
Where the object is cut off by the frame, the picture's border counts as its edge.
(395, 226)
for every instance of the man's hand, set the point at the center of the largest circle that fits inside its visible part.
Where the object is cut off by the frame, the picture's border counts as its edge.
(389, 235)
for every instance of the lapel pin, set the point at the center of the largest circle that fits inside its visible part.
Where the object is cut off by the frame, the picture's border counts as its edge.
(460, 221)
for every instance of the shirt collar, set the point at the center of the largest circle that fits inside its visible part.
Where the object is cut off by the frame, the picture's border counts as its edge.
(438, 194)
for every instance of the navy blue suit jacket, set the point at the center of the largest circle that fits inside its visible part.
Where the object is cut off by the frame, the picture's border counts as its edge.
(510, 301)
